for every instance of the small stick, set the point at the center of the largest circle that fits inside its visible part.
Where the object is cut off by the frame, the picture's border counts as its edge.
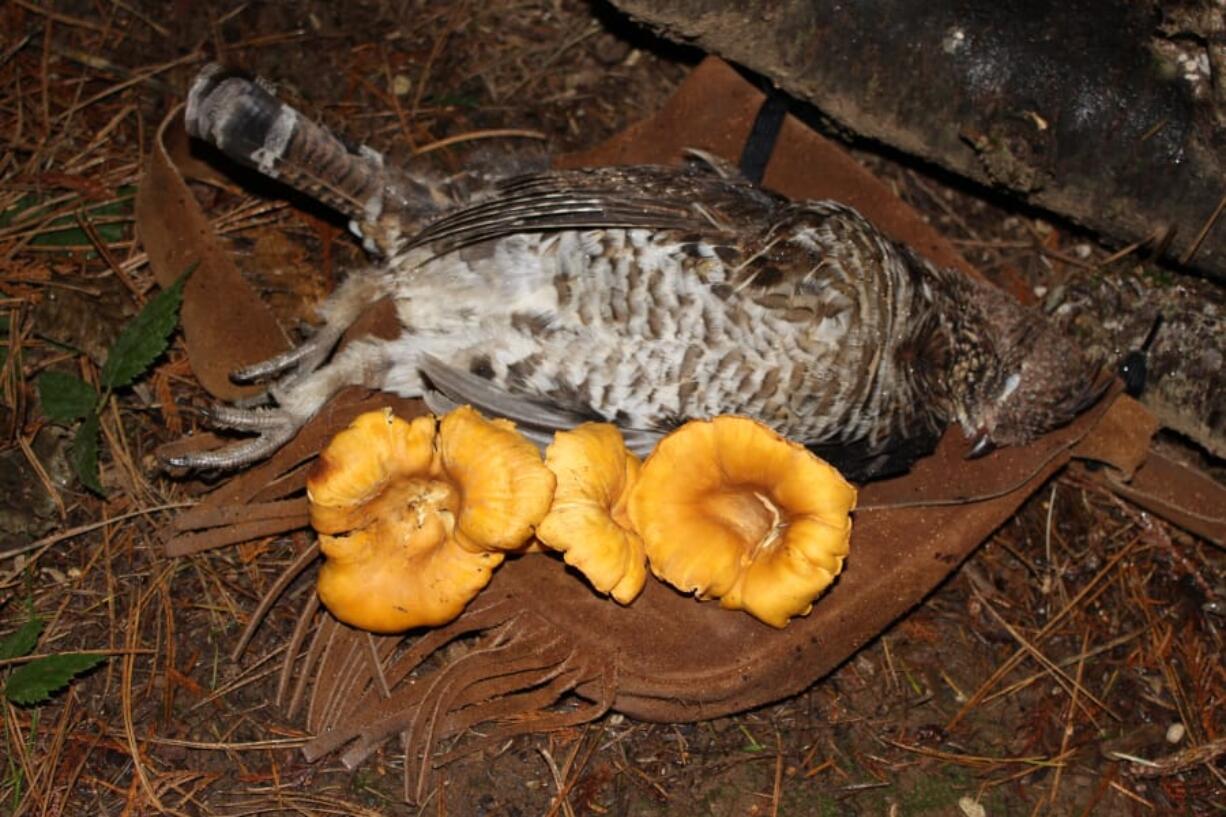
(493, 133)
(43, 477)
(1204, 231)
(75, 22)
(1069, 725)
(1058, 675)
(125, 689)
(777, 792)
(1048, 628)
(41, 545)
(21, 659)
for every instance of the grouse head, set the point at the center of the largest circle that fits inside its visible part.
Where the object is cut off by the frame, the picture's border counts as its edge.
(1014, 376)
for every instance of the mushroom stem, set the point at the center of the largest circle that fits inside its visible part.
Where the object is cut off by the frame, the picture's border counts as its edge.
(774, 530)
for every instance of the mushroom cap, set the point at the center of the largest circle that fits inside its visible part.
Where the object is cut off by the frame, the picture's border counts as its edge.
(359, 462)
(505, 488)
(588, 521)
(729, 509)
(401, 514)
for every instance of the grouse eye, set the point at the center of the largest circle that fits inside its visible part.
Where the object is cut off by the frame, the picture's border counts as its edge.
(1011, 384)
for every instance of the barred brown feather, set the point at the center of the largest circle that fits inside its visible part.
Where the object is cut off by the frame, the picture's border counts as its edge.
(646, 296)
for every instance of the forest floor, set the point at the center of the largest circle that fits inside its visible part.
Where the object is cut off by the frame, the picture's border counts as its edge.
(1117, 617)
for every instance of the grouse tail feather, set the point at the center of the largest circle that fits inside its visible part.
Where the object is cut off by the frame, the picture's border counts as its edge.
(241, 116)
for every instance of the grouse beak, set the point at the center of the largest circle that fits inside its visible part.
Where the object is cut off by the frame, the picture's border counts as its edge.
(981, 445)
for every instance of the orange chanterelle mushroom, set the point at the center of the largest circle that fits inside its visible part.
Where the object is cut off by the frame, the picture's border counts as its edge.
(413, 519)
(729, 509)
(588, 520)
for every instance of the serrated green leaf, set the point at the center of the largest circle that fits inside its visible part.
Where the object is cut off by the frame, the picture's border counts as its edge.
(64, 397)
(84, 454)
(34, 682)
(21, 641)
(144, 338)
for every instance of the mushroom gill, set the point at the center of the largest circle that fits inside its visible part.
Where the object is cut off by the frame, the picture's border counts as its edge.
(729, 509)
(413, 518)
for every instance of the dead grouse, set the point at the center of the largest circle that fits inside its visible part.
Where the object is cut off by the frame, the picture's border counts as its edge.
(642, 296)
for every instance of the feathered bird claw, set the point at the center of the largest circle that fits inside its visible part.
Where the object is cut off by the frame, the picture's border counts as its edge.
(306, 382)
(305, 357)
(260, 419)
(273, 426)
(275, 429)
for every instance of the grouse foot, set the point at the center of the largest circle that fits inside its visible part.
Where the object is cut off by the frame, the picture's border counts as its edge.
(298, 396)
(275, 429)
(304, 357)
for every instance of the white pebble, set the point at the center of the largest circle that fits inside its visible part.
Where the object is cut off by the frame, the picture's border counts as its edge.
(971, 807)
(1175, 732)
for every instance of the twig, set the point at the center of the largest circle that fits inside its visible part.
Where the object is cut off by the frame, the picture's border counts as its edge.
(1017, 656)
(1176, 763)
(1099, 650)
(36, 656)
(436, 48)
(777, 790)
(494, 133)
(1058, 675)
(1069, 724)
(136, 79)
(96, 63)
(43, 477)
(1204, 231)
(558, 782)
(567, 44)
(75, 22)
(1131, 248)
(235, 746)
(13, 49)
(41, 545)
(943, 205)
(125, 690)
(144, 18)
(979, 761)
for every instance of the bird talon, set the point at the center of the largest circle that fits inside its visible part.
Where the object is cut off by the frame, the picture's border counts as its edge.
(244, 419)
(312, 351)
(236, 454)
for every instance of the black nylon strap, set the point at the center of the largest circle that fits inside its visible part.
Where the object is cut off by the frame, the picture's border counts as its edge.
(762, 137)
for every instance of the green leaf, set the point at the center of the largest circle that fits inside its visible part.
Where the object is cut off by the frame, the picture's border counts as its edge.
(24, 206)
(84, 454)
(109, 219)
(34, 682)
(144, 338)
(21, 641)
(64, 397)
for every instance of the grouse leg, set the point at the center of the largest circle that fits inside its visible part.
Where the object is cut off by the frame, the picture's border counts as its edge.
(298, 397)
(344, 306)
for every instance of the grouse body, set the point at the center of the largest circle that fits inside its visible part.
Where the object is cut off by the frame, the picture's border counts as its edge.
(643, 296)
